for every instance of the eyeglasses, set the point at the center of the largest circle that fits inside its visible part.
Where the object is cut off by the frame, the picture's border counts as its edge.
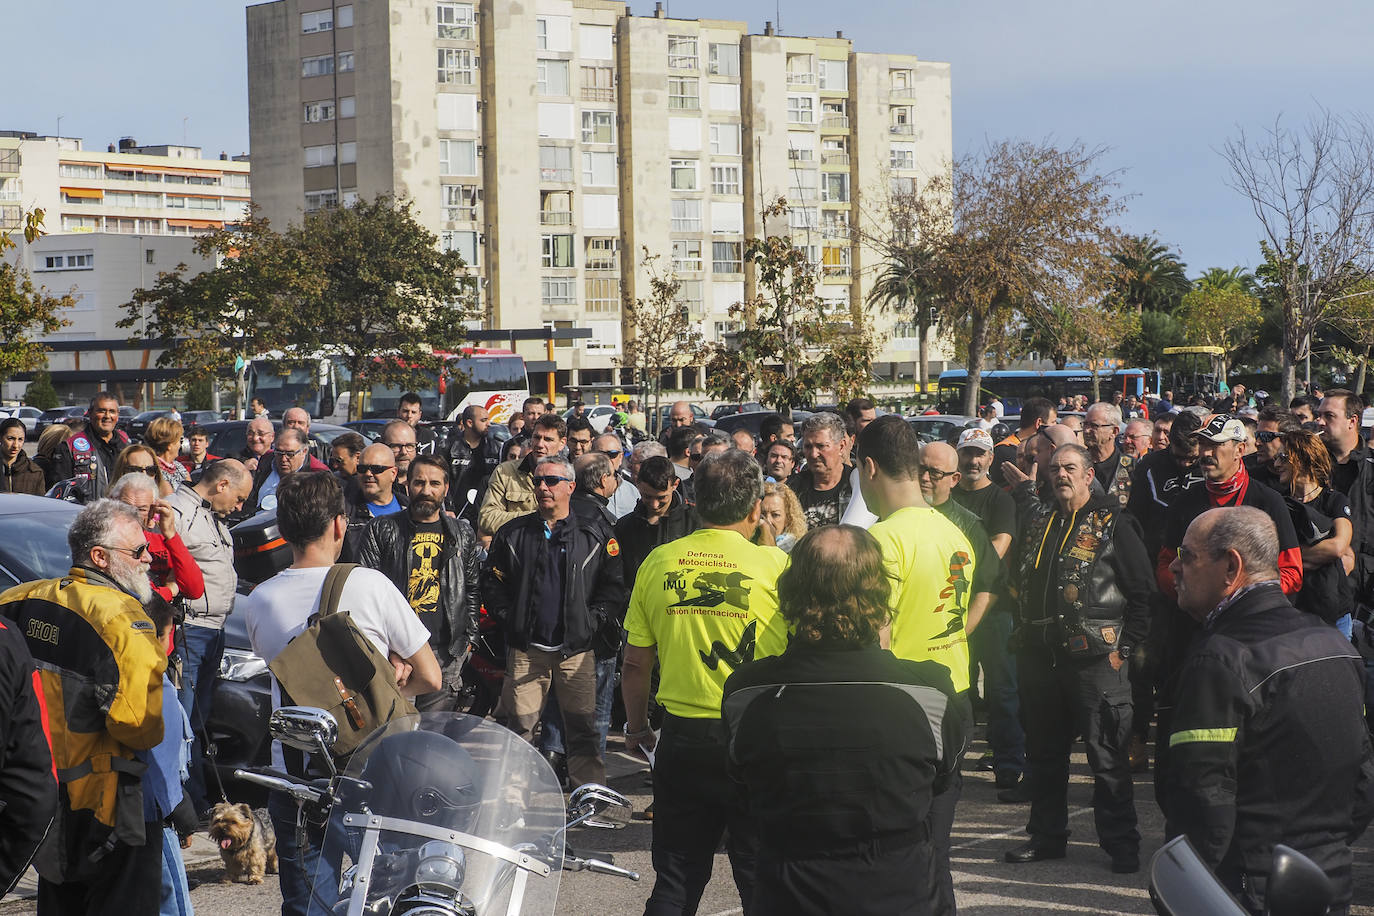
(1267, 435)
(1101, 426)
(1188, 556)
(936, 476)
(611, 453)
(376, 470)
(135, 552)
(300, 451)
(550, 480)
(402, 446)
(149, 469)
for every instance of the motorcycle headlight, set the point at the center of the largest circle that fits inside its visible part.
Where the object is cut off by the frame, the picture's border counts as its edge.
(442, 865)
(240, 665)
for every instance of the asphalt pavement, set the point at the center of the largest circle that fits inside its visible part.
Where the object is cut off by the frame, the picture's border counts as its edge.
(984, 885)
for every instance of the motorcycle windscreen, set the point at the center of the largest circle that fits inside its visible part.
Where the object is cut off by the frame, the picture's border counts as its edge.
(458, 815)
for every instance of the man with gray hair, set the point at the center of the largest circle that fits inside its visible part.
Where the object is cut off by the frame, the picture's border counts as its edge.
(257, 442)
(641, 453)
(824, 486)
(622, 500)
(1112, 468)
(553, 581)
(289, 454)
(101, 666)
(1267, 742)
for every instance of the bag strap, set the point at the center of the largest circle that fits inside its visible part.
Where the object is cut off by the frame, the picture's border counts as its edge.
(333, 587)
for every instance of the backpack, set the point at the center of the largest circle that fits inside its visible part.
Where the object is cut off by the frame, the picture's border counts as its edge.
(334, 666)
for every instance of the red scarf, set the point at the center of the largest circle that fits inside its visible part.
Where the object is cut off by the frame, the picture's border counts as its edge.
(1222, 491)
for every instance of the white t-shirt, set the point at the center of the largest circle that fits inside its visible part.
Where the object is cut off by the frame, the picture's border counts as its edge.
(858, 512)
(279, 609)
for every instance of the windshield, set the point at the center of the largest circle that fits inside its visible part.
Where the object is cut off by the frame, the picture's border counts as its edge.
(282, 389)
(453, 805)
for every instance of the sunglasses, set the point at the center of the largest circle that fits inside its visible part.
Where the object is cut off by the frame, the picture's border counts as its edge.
(936, 476)
(1267, 435)
(149, 469)
(376, 470)
(611, 453)
(135, 552)
(550, 480)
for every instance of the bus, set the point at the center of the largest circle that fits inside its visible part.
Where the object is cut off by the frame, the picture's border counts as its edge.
(488, 377)
(1013, 386)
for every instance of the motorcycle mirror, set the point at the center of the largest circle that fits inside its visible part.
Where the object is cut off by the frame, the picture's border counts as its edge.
(1297, 886)
(304, 728)
(1181, 884)
(472, 496)
(593, 805)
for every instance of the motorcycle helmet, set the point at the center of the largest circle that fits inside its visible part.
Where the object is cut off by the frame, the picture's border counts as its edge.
(999, 432)
(73, 490)
(423, 776)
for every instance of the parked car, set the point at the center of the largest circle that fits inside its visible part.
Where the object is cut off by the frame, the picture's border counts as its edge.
(33, 538)
(725, 410)
(126, 416)
(941, 427)
(56, 415)
(139, 424)
(27, 415)
(663, 414)
(370, 429)
(229, 437)
(598, 414)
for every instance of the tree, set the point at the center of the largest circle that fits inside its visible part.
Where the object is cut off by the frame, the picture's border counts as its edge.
(384, 299)
(1225, 317)
(1352, 314)
(1312, 192)
(1237, 278)
(27, 312)
(246, 306)
(904, 285)
(1145, 346)
(1015, 230)
(41, 393)
(1149, 276)
(790, 346)
(660, 334)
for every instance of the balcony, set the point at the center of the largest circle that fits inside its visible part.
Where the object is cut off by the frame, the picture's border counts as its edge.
(902, 130)
(801, 79)
(902, 92)
(460, 214)
(456, 32)
(835, 271)
(597, 94)
(555, 218)
(556, 174)
(835, 158)
(834, 232)
(10, 160)
(835, 122)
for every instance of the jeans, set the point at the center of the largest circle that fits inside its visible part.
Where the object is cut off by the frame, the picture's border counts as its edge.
(320, 871)
(551, 724)
(988, 647)
(176, 896)
(201, 651)
(1345, 624)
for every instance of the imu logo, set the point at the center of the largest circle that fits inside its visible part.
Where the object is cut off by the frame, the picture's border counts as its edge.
(42, 631)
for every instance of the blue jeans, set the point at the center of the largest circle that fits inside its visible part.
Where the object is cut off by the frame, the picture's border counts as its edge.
(296, 883)
(988, 648)
(176, 896)
(1345, 625)
(201, 651)
(552, 720)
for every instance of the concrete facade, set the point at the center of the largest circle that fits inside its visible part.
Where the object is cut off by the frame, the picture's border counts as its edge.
(552, 141)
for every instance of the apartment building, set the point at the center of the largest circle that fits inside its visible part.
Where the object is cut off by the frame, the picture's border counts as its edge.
(552, 142)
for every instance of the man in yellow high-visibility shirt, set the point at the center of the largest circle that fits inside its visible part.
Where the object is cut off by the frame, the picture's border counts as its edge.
(704, 604)
(931, 563)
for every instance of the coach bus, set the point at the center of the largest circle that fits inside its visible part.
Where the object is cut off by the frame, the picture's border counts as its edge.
(492, 378)
(1013, 386)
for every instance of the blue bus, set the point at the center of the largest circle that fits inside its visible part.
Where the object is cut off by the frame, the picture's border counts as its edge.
(1016, 385)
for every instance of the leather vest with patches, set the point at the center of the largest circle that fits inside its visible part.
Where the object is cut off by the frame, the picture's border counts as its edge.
(1084, 613)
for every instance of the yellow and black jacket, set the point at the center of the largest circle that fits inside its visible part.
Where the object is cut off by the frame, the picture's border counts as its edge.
(101, 668)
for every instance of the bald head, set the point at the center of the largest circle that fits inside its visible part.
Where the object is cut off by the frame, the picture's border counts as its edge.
(377, 453)
(1223, 551)
(296, 417)
(377, 473)
(259, 436)
(939, 472)
(1044, 444)
(680, 414)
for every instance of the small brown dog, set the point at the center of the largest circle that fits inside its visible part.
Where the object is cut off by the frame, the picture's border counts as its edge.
(247, 843)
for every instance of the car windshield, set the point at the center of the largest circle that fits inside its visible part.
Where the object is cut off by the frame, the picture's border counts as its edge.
(34, 545)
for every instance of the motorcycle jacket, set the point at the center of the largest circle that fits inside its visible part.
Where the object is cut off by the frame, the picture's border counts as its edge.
(101, 668)
(1084, 578)
(86, 456)
(470, 468)
(385, 547)
(28, 786)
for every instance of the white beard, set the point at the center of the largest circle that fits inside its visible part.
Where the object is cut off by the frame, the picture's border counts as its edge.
(132, 581)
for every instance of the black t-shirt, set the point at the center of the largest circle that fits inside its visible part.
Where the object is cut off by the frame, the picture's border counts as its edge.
(1343, 476)
(822, 507)
(422, 584)
(994, 507)
(1326, 591)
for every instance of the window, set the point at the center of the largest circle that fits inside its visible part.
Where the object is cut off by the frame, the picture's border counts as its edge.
(553, 33)
(835, 261)
(557, 250)
(727, 217)
(175, 202)
(835, 74)
(900, 80)
(347, 108)
(686, 254)
(801, 146)
(902, 157)
(555, 163)
(727, 258)
(76, 260)
(686, 215)
(321, 200)
(317, 66)
(899, 187)
(234, 180)
(73, 170)
(69, 223)
(723, 60)
(682, 93)
(319, 111)
(682, 52)
(598, 84)
(457, 111)
(689, 293)
(465, 243)
(724, 96)
(454, 21)
(459, 202)
(316, 156)
(551, 77)
(833, 116)
(556, 121)
(682, 174)
(120, 198)
(600, 212)
(457, 157)
(804, 183)
(323, 21)
(603, 294)
(555, 208)
(457, 66)
(345, 61)
(541, 34)
(724, 179)
(598, 126)
(348, 153)
(725, 139)
(598, 169)
(836, 188)
(802, 218)
(594, 42)
(344, 18)
(801, 109)
(835, 224)
(801, 70)
(603, 254)
(558, 290)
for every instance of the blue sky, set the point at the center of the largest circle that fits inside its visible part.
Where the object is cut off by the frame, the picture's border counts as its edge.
(1163, 84)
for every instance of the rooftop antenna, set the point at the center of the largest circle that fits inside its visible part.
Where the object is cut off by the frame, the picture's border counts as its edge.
(777, 15)
(183, 129)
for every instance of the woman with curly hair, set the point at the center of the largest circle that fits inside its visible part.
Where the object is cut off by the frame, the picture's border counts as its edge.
(782, 511)
(164, 438)
(839, 744)
(1321, 517)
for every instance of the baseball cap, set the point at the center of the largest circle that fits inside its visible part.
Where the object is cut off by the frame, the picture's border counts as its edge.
(1222, 428)
(975, 438)
(1367, 418)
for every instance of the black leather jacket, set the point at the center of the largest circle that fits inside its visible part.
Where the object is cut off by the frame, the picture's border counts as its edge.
(385, 547)
(469, 469)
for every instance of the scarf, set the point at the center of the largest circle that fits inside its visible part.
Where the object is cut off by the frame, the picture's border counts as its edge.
(1222, 491)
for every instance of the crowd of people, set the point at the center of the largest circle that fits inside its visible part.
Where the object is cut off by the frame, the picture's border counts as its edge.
(805, 625)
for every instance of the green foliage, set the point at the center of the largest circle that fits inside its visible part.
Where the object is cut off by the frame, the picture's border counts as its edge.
(904, 284)
(41, 393)
(1149, 276)
(1225, 317)
(200, 394)
(661, 335)
(1145, 346)
(26, 311)
(789, 347)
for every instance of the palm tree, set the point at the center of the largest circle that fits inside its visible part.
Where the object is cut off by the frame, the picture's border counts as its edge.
(1151, 277)
(1236, 278)
(905, 284)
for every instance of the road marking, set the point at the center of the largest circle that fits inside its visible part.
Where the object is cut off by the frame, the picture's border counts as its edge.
(735, 912)
(1012, 834)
